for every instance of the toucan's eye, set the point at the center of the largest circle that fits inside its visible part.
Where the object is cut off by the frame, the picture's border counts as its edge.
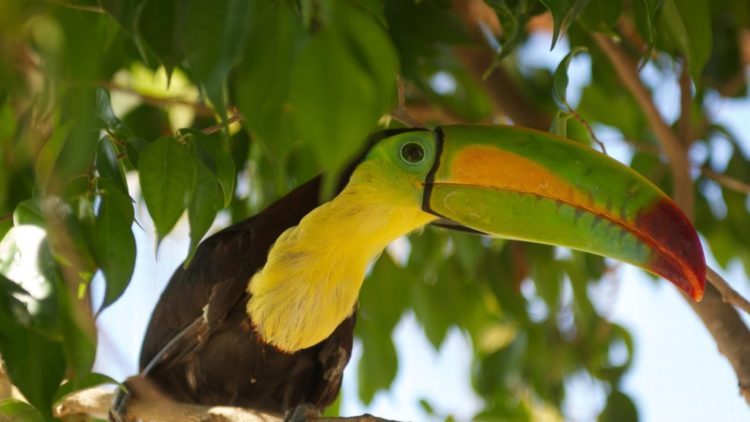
(412, 152)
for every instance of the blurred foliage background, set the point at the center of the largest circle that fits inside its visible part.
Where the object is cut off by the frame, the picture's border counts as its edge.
(220, 107)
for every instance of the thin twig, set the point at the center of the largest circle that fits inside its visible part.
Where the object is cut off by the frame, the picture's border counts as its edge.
(6, 217)
(582, 121)
(69, 5)
(726, 181)
(401, 113)
(729, 295)
(219, 126)
(686, 100)
(675, 150)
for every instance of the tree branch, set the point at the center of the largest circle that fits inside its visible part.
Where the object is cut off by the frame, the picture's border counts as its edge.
(729, 295)
(686, 101)
(722, 320)
(151, 405)
(504, 93)
(627, 71)
(726, 181)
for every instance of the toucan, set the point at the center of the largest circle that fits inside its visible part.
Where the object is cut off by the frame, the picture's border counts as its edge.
(263, 315)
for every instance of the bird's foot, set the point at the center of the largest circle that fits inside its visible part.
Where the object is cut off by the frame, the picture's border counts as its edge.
(302, 413)
(118, 412)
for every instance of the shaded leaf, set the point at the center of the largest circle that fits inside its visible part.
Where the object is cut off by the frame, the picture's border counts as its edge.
(108, 164)
(205, 202)
(212, 153)
(114, 240)
(48, 156)
(167, 171)
(602, 15)
(159, 28)
(34, 363)
(276, 37)
(620, 408)
(379, 363)
(687, 28)
(213, 35)
(564, 12)
(331, 70)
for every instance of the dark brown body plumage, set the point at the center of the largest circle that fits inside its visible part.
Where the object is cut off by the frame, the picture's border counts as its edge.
(219, 359)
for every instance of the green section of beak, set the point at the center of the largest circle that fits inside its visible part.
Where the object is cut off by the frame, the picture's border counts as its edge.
(527, 185)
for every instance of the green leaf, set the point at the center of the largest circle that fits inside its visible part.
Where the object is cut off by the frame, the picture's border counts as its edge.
(379, 363)
(646, 14)
(114, 242)
(108, 164)
(167, 170)
(34, 363)
(133, 148)
(687, 27)
(564, 12)
(159, 27)
(48, 156)
(21, 259)
(213, 36)
(568, 126)
(205, 202)
(75, 323)
(106, 115)
(560, 78)
(337, 99)
(92, 379)
(124, 11)
(276, 37)
(29, 212)
(602, 15)
(620, 408)
(212, 152)
(513, 17)
(16, 410)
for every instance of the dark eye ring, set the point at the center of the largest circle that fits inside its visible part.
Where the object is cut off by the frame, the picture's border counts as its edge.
(412, 152)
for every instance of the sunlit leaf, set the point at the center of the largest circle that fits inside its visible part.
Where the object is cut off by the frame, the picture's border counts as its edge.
(17, 410)
(560, 78)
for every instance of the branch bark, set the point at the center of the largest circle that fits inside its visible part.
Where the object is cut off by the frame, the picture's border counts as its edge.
(720, 318)
(503, 91)
(150, 405)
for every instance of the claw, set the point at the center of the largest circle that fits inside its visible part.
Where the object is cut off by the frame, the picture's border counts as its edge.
(118, 411)
(302, 413)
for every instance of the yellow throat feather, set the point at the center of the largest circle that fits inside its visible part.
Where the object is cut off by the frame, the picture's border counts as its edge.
(314, 271)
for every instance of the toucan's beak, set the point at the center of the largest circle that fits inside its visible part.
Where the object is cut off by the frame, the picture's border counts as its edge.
(522, 184)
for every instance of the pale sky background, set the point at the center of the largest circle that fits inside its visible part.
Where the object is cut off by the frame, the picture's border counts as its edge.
(677, 374)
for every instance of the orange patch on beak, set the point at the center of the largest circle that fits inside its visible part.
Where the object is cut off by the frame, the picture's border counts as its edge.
(478, 166)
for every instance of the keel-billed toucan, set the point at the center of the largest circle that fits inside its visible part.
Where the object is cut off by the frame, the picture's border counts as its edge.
(264, 314)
